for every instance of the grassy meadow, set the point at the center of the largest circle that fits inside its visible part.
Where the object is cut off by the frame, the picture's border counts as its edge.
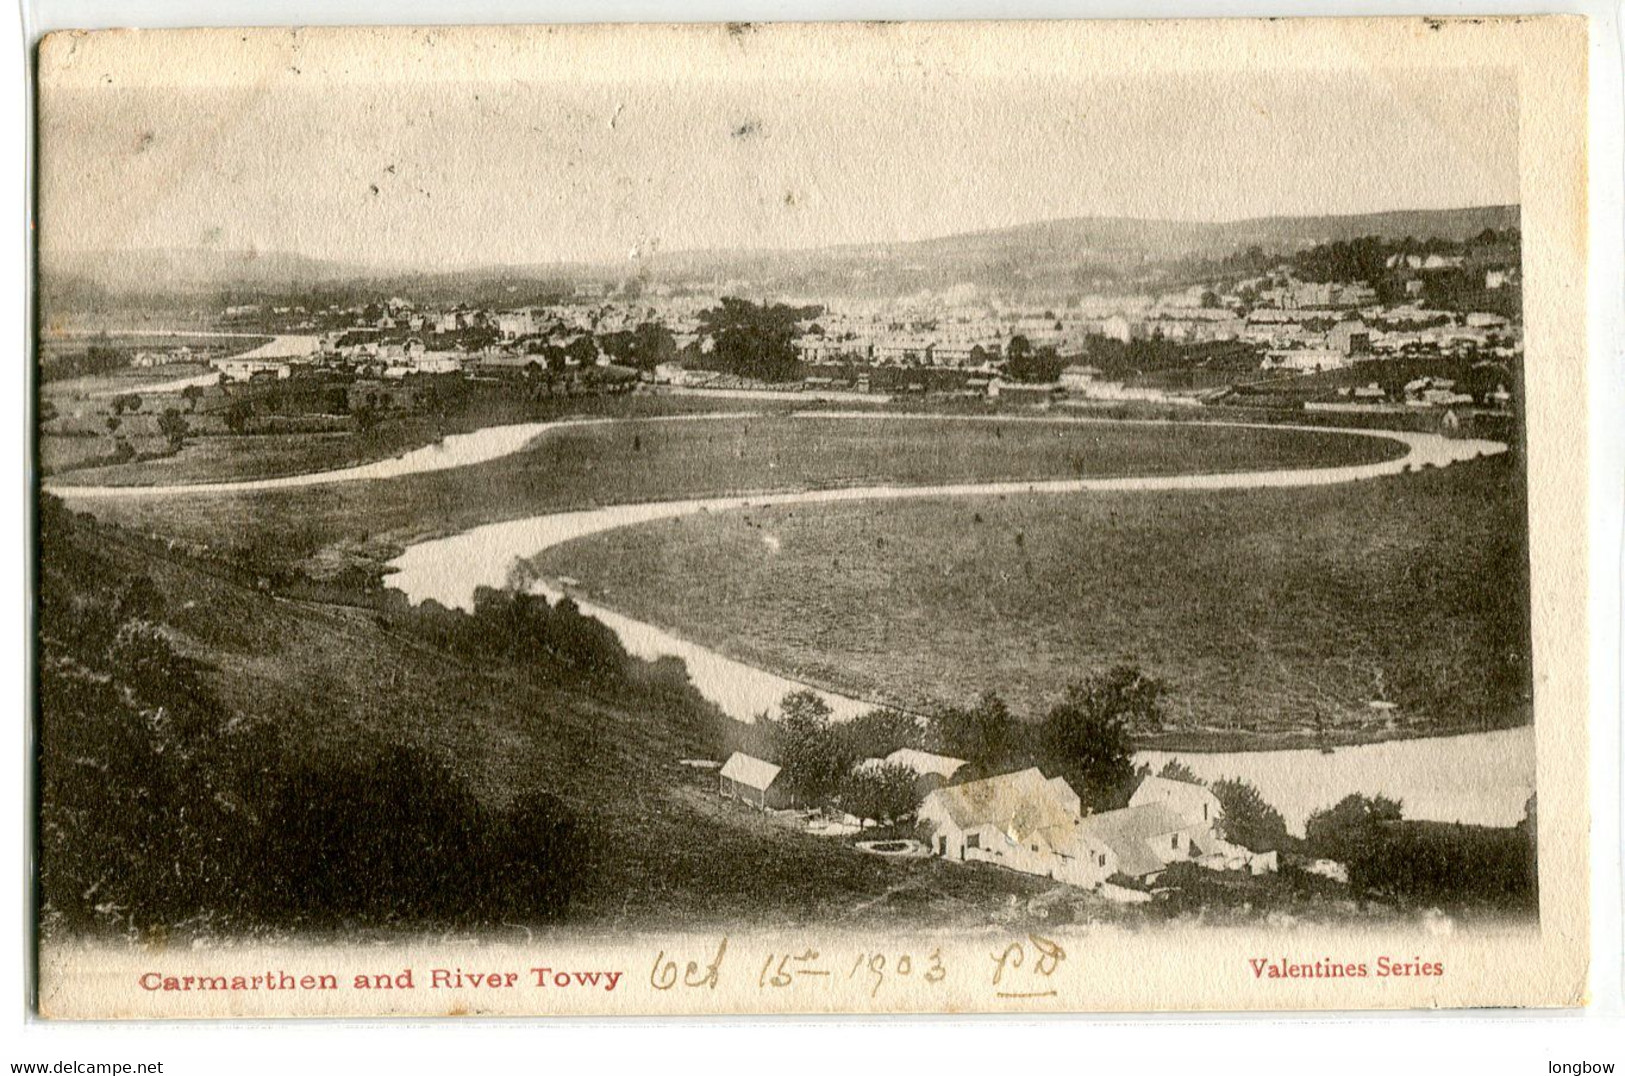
(1266, 611)
(634, 461)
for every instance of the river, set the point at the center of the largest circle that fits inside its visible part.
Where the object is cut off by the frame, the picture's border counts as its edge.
(1482, 777)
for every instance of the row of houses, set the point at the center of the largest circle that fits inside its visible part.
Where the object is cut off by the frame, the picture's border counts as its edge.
(1024, 821)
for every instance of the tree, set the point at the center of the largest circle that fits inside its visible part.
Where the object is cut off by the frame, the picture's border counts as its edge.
(582, 351)
(1175, 770)
(643, 348)
(128, 401)
(1085, 739)
(1018, 351)
(1026, 364)
(1358, 832)
(113, 422)
(878, 733)
(1246, 819)
(881, 792)
(754, 341)
(807, 748)
(366, 417)
(238, 412)
(1126, 692)
(47, 410)
(173, 425)
(986, 734)
(192, 394)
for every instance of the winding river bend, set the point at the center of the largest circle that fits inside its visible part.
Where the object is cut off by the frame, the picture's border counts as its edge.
(1481, 778)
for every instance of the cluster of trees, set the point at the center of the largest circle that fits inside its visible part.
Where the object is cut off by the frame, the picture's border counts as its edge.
(1117, 359)
(93, 361)
(754, 340)
(1366, 257)
(1345, 260)
(161, 808)
(819, 758)
(1086, 737)
(556, 358)
(1426, 862)
(642, 348)
(512, 625)
(1040, 365)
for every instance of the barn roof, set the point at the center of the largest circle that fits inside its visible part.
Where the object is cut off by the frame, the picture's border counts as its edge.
(1166, 788)
(1022, 801)
(1128, 832)
(924, 762)
(750, 771)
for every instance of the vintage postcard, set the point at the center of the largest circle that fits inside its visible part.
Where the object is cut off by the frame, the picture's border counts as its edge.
(755, 519)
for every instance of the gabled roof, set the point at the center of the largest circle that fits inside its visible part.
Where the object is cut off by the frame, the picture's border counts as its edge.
(1018, 803)
(750, 771)
(1168, 790)
(924, 762)
(1128, 833)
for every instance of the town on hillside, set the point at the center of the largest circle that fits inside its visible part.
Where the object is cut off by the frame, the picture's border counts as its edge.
(1373, 330)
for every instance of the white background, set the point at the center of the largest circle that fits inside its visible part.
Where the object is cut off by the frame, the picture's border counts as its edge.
(1325, 1045)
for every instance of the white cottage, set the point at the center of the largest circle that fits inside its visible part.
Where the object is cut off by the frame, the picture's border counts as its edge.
(1190, 801)
(752, 780)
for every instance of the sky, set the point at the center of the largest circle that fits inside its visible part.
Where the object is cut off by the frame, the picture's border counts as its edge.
(451, 172)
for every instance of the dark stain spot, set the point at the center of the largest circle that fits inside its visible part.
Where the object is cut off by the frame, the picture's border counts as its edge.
(144, 140)
(737, 30)
(748, 129)
(373, 187)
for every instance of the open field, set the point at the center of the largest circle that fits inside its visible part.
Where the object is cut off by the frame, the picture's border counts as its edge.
(1265, 611)
(307, 443)
(649, 460)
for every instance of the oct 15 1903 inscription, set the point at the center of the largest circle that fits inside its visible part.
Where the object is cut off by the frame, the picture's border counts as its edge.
(855, 518)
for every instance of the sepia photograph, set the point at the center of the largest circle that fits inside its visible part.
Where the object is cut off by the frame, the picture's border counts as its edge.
(841, 518)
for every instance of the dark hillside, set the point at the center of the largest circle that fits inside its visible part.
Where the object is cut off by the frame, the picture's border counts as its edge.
(218, 760)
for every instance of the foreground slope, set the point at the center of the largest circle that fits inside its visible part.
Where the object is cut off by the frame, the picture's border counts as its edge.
(304, 689)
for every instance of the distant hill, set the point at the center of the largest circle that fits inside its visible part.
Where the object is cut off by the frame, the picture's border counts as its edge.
(1059, 256)
(1056, 257)
(134, 270)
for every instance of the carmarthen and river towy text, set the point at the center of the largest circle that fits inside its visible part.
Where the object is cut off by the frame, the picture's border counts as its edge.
(438, 979)
(1327, 968)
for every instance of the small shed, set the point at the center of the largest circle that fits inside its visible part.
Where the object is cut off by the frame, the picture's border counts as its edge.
(751, 780)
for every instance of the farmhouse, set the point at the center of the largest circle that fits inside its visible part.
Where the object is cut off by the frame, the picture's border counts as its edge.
(1144, 840)
(1021, 821)
(1187, 800)
(751, 780)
